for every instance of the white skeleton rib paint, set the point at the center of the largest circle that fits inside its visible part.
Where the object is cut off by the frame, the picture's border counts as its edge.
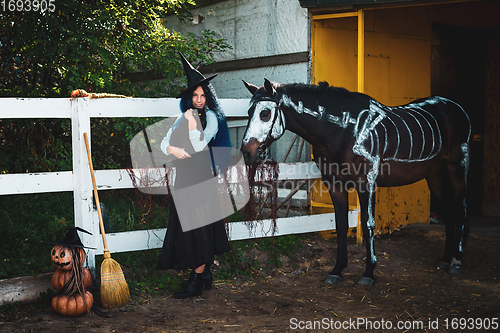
(387, 118)
(416, 117)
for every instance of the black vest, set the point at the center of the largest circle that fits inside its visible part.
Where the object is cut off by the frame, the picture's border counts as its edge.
(180, 135)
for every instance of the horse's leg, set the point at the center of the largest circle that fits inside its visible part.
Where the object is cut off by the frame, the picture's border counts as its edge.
(460, 225)
(440, 185)
(366, 203)
(339, 197)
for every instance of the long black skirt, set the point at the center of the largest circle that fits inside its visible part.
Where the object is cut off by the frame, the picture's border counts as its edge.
(191, 249)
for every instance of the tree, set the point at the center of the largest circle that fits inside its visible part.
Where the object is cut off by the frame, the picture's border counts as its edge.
(101, 46)
(96, 45)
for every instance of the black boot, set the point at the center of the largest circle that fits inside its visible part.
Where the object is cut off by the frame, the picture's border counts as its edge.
(206, 276)
(193, 287)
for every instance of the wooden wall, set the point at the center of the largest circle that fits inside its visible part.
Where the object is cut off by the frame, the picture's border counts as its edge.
(397, 71)
(491, 180)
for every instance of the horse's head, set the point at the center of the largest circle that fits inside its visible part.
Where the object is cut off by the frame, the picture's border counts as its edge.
(266, 121)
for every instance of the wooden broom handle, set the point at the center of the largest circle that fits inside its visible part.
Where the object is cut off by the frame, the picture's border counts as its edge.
(96, 196)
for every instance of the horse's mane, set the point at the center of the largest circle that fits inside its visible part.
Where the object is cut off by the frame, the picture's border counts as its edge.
(321, 88)
(316, 92)
(308, 89)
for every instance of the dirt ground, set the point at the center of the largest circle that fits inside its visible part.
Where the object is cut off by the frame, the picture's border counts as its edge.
(410, 294)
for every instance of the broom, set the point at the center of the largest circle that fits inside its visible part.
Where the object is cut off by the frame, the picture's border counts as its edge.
(114, 288)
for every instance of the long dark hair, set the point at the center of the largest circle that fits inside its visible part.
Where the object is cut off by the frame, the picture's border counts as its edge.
(186, 102)
(212, 103)
(222, 138)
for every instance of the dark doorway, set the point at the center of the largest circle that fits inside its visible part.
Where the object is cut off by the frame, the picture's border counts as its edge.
(459, 73)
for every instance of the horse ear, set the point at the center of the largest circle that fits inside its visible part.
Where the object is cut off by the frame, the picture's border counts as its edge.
(269, 87)
(253, 89)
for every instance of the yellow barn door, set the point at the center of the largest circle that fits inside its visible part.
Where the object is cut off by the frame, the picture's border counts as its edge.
(389, 59)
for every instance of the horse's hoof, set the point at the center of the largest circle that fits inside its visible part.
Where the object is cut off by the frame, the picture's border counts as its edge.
(366, 281)
(334, 279)
(443, 265)
(455, 269)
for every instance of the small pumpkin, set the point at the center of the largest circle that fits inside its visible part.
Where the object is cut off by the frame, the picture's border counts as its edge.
(64, 256)
(72, 305)
(62, 276)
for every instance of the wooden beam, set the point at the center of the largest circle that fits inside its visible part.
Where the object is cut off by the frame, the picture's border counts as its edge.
(232, 65)
(361, 51)
(275, 60)
(335, 15)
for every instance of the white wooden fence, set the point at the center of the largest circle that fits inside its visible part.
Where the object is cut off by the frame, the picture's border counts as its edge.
(79, 181)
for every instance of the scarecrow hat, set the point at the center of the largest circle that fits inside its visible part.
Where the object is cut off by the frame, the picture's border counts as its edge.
(194, 77)
(72, 239)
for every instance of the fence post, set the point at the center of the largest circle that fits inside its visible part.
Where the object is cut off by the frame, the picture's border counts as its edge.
(82, 184)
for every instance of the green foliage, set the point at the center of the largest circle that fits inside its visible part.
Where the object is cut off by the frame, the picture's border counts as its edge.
(286, 245)
(28, 145)
(100, 46)
(26, 222)
(142, 277)
(276, 246)
(111, 140)
(97, 45)
(30, 220)
(239, 262)
(124, 213)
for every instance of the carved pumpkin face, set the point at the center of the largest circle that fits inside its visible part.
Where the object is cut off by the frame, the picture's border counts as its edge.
(61, 257)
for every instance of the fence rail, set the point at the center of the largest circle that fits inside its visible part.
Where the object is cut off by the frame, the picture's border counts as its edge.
(80, 111)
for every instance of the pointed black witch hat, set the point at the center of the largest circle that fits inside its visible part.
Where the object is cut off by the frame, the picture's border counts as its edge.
(72, 239)
(194, 77)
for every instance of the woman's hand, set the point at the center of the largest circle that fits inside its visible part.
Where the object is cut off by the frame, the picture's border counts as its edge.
(189, 115)
(180, 153)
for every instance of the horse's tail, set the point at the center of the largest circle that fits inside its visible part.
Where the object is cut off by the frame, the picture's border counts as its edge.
(465, 147)
(468, 189)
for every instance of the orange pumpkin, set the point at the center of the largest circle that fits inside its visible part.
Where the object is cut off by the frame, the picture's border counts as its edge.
(62, 256)
(61, 277)
(73, 305)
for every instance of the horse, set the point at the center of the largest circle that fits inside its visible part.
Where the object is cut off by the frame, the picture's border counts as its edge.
(382, 146)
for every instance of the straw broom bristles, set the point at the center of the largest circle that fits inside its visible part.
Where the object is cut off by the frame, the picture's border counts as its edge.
(114, 288)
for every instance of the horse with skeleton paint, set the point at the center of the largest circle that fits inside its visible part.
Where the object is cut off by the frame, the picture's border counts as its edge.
(425, 139)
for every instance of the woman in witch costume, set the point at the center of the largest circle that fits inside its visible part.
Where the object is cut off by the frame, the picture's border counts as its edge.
(189, 243)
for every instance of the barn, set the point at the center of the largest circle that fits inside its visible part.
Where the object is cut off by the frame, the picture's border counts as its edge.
(411, 49)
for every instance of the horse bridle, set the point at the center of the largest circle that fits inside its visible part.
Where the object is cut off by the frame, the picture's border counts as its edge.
(277, 110)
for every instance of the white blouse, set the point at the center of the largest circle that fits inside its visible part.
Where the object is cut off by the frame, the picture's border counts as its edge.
(194, 136)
